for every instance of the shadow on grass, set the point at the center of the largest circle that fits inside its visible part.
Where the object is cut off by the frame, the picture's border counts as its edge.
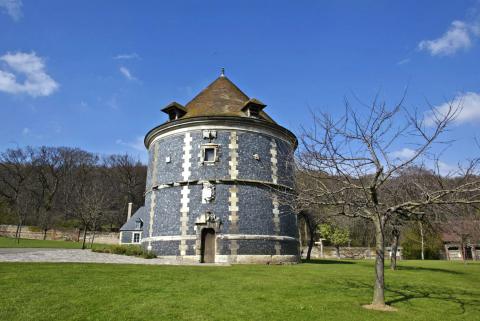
(416, 268)
(405, 293)
(461, 298)
(318, 261)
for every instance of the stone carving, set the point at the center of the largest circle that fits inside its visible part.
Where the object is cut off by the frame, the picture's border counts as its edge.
(208, 192)
(208, 219)
(209, 134)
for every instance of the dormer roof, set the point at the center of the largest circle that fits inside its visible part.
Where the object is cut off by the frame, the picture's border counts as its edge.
(174, 110)
(255, 103)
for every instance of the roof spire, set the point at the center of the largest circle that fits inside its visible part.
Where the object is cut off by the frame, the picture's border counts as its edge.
(223, 72)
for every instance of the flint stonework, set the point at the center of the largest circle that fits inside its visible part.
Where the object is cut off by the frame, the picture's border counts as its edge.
(237, 196)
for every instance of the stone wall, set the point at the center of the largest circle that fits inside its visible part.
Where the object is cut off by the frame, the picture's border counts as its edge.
(345, 252)
(329, 252)
(32, 232)
(251, 218)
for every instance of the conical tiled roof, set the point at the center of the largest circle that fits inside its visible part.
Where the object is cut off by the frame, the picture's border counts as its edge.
(220, 98)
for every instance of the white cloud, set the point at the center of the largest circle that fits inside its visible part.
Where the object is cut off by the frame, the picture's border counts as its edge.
(403, 154)
(37, 82)
(469, 104)
(26, 131)
(457, 37)
(403, 61)
(443, 168)
(127, 56)
(137, 144)
(447, 170)
(127, 73)
(13, 8)
(111, 102)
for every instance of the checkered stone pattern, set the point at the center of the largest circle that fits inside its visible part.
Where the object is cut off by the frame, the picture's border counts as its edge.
(244, 203)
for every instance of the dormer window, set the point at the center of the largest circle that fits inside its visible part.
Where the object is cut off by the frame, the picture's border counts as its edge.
(138, 224)
(253, 112)
(253, 107)
(175, 111)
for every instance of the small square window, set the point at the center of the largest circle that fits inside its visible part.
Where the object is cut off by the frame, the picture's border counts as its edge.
(209, 154)
(136, 237)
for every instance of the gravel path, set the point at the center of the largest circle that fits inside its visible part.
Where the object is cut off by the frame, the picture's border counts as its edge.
(76, 256)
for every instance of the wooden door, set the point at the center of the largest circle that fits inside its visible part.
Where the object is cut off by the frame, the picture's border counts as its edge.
(208, 246)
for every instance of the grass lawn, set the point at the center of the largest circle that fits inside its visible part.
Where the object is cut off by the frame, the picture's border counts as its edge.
(323, 290)
(27, 243)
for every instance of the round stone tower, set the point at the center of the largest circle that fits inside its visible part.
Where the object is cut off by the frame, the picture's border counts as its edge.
(217, 175)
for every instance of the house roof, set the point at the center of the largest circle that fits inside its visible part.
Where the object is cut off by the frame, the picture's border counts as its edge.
(130, 224)
(221, 98)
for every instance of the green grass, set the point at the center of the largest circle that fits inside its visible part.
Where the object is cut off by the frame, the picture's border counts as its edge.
(324, 290)
(7, 242)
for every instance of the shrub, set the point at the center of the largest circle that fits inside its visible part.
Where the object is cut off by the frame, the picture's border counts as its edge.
(149, 255)
(130, 250)
(118, 249)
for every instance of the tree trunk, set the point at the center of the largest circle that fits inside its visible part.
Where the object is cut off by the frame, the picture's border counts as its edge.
(93, 236)
(84, 238)
(379, 288)
(422, 240)
(18, 232)
(45, 233)
(311, 242)
(78, 234)
(337, 251)
(394, 249)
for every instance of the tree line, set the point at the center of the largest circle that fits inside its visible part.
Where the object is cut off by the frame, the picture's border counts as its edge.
(68, 187)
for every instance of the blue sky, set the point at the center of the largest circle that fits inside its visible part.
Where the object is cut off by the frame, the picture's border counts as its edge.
(95, 74)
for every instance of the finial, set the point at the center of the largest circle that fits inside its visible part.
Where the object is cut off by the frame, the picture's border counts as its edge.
(223, 73)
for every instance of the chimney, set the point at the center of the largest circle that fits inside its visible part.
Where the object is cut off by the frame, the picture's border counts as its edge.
(129, 213)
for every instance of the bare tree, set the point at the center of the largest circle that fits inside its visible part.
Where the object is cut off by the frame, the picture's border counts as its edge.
(127, 176)
(402, 188)
(15, 173)
(91, 198)
(351, 164)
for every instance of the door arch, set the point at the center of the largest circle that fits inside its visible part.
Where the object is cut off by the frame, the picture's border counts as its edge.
(207, 247)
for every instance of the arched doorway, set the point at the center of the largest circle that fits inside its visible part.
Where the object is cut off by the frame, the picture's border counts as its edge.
(207, 248)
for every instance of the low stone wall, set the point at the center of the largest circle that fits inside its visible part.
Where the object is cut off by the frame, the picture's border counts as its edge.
(34, 233)
(329, 252)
